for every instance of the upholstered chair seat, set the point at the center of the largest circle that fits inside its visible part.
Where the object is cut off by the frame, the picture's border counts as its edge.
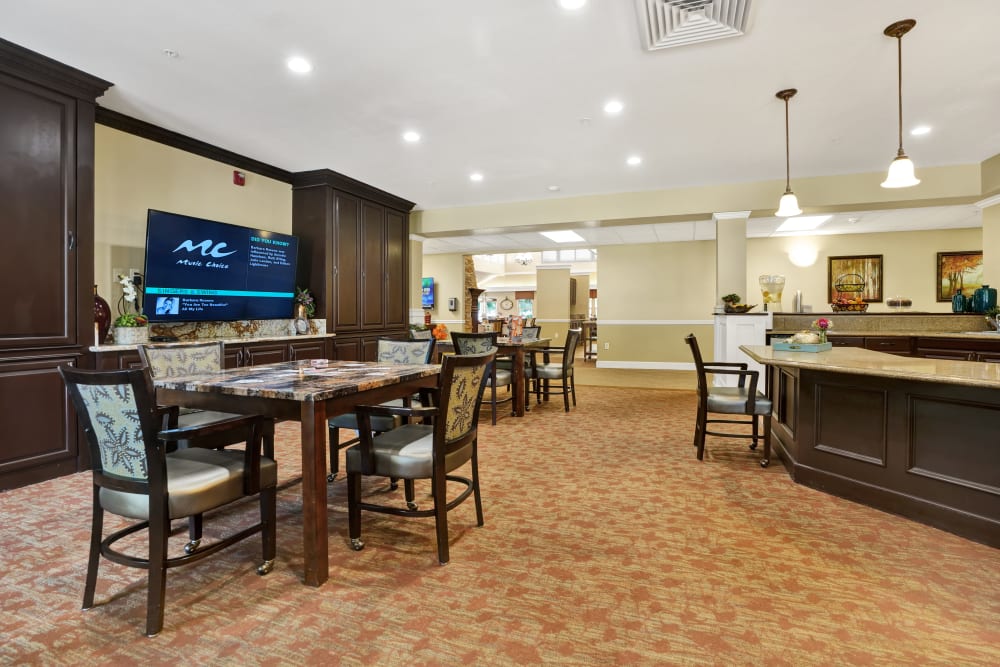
(733, 401)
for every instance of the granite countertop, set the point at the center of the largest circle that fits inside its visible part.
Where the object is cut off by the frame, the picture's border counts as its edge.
(985, 335)
(858, 361)
(226, 341)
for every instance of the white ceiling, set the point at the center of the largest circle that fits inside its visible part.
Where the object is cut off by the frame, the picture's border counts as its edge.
(515, 89)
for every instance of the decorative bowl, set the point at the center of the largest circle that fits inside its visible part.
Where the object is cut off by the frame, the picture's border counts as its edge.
(849, 307)
(740, 307)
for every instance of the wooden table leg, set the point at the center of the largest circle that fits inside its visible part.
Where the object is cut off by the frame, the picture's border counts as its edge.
(314, 530)
(518, 388)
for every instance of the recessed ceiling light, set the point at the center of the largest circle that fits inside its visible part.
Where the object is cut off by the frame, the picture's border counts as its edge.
(299, 65)
(170, 53)
(802, 223)
(920, 129)
(563, 236)
(475, 176)
(613, 107)
(633, 160)
(411, 137)
(572, 4)
(553, 188)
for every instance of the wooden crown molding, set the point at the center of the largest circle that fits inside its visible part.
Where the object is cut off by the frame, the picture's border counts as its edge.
(31, 66)
(332, 179)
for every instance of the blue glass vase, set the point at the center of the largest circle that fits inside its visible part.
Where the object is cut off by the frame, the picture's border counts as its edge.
(958, 302)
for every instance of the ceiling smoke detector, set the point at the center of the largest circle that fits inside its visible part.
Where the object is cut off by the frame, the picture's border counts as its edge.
(668, 23)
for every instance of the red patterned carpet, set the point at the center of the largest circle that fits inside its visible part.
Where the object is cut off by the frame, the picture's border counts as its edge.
(606, 542)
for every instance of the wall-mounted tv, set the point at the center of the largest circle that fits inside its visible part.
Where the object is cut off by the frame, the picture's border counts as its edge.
(198, 270)
(426, 292)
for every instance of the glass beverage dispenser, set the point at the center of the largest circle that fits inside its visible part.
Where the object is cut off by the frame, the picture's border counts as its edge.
(771, 287)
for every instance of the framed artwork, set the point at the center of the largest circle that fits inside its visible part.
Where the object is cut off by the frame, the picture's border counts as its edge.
(853, 275)
(959, 271)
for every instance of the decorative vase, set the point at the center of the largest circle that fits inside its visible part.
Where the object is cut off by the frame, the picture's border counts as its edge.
(102, 318)
(958, 302)
(822, 336)
(984, 298)
(131, 335)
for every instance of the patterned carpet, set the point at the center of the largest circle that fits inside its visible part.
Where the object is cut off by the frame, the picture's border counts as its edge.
(606, 542)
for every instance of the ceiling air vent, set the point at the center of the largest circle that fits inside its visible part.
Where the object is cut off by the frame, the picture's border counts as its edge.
(667, 23)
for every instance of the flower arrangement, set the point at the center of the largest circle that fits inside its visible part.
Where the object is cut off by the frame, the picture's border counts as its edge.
(440, 332)
(305, 299)
(128, 301)
(822, 325)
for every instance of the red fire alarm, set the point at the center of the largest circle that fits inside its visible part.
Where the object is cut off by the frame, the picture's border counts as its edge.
(239, 178)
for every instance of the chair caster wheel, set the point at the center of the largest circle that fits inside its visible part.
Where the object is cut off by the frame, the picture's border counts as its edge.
(764, 463)
(357, 544)
(393, 485)
(192, 546)
(265, 567)
(753, 446)
(411, 506)
(330, 478)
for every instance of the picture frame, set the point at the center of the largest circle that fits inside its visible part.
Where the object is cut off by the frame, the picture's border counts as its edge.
(847, 268)
(962, 270)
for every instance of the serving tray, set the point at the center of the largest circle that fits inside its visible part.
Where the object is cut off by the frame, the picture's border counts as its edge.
(803, 347)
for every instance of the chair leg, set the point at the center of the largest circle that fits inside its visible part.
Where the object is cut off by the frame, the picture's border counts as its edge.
(159, 529)
(410, 493)
(195, 523)
(268, 529)
(756, 434)
(94, 559)
(572, 384)
(334, 453)
(475, 485)
(565, 393)
(441, 515)
(764, 462)
(354, 510)
(493, 401)
(268, 447)
(700, 433)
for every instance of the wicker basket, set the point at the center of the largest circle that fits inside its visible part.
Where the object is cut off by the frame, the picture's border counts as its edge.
(849, 307)
(850, 282)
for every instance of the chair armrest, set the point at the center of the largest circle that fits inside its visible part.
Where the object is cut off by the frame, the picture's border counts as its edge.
(192, 432)
(724, 364)
(393, 411)
(743, 375)
(169, 414)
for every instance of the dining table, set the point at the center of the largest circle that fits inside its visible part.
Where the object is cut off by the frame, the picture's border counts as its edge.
(308, 391)
(516, 348)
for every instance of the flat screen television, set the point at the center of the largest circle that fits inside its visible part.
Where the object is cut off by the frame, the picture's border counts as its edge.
(199, 270)
(426, 292)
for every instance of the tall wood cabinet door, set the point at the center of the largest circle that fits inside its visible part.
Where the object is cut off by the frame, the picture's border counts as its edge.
(37, 443)
(373, 265)
(38, 257)
(348, 277)
(397, 243)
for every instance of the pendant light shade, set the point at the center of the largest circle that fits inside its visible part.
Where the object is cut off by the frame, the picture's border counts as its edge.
(789, 204)
(901, 169)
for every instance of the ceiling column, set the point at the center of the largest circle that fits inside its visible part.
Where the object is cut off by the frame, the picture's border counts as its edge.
(731, 254)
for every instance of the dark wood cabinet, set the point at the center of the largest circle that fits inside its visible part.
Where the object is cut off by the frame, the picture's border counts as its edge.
(254, 354)
(902, 345)
(47, 258)
(354, 256)
(958, 349)
(236, 355)
(846, 341)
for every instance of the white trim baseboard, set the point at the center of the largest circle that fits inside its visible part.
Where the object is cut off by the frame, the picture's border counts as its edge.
(661, 323)
(648, 365)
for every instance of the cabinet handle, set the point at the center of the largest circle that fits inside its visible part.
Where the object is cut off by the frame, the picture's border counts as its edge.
(70, 240)
(249, 359)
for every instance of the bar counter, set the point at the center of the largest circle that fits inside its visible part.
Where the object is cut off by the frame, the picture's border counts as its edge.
(912, 436)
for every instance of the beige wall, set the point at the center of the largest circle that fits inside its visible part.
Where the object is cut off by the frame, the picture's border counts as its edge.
(991, 245)
(132, 175)
(908, 264)
(448, 272)
(552, 303)
(416, 273)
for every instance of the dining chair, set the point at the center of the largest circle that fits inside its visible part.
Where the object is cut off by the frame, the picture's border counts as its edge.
(480, 343)
(542, 374)
(434, 450)
(135, 476)
(390, 351)
(743, 399)
(175, 360)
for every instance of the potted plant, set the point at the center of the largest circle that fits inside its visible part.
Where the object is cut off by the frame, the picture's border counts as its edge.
(130, 326)
(305, 304)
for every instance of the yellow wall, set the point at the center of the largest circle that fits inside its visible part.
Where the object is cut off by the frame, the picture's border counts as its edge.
(132, 175)
(552, 303)
(908, 264)
(448, 272)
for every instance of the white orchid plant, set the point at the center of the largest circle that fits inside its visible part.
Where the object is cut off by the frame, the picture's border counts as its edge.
(130, 298)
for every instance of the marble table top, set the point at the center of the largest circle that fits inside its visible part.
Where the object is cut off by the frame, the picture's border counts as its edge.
(305, 380)
(858, 361)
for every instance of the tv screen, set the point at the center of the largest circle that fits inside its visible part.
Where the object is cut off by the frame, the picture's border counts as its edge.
(426, 292)
(199, 270)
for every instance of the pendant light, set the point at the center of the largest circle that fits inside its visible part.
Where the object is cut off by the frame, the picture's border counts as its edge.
(789, 204)
(901, 169)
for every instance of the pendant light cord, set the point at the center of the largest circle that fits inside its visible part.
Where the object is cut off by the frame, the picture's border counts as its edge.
(899, 88)
(788, 180)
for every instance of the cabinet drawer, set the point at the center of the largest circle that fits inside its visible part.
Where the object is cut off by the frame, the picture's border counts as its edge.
(893, 344)
(847, 341)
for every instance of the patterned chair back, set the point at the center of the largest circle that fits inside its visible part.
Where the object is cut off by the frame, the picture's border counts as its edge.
(531, 333)
(405, 351)
(474, 343)
(167, 361)
(463, 380)
(111, 406)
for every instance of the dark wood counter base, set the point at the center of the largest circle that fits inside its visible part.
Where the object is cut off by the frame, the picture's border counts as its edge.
(927, 451)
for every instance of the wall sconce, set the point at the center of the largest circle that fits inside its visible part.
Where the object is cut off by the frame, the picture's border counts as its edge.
(802, 255)
(901, 169)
